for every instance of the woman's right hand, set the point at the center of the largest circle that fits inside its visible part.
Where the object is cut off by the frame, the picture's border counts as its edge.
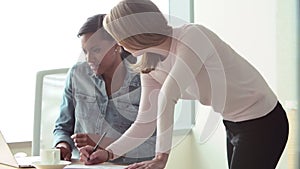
(88, 157)
(65, 151)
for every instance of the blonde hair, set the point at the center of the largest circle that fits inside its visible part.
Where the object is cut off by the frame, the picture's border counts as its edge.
(137, 25)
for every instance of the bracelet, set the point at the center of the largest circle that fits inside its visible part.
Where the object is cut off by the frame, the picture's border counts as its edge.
(108, 155)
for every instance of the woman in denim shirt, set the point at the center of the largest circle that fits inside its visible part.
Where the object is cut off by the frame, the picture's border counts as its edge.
(101, 94)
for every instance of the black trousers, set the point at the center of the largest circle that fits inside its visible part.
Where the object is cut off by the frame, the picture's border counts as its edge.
(257, 143)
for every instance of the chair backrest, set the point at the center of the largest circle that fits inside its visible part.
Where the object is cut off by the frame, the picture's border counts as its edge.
(48, 95)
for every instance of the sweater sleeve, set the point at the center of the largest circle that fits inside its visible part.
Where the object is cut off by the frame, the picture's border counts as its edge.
(192, 50)
(180, 76)
(145, 123)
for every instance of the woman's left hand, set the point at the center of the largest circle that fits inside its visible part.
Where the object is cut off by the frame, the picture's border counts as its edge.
(159, 162)
(82, 139)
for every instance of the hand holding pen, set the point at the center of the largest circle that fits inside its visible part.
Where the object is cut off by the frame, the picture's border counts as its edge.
(98, 143)
(93, 155)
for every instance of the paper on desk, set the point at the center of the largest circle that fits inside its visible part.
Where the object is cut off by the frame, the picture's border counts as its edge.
(98, 166)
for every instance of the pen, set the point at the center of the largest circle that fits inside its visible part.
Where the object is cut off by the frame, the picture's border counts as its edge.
(98, 143)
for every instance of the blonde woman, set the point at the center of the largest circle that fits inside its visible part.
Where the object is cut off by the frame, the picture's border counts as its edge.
(192, 62)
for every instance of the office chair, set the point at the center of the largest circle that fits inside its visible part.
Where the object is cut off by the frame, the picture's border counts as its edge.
(48, 94)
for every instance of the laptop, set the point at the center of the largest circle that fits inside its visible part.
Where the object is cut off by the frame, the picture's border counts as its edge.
(7, 157)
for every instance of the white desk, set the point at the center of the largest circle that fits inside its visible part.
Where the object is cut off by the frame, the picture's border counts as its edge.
(76, 164)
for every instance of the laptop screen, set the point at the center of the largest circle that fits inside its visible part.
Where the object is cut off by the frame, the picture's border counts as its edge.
(7, 157)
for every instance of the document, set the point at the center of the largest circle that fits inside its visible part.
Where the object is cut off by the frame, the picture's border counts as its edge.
(97, 166)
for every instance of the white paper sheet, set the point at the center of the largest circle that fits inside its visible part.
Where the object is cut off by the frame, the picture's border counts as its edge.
(98, 166)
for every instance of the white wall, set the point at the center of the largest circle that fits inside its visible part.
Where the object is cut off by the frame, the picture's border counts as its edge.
(287, 48)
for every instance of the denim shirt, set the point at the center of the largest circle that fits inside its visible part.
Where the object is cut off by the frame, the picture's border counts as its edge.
(86, 108)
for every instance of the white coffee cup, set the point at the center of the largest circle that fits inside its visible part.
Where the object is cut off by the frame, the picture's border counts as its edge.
(50, 156)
